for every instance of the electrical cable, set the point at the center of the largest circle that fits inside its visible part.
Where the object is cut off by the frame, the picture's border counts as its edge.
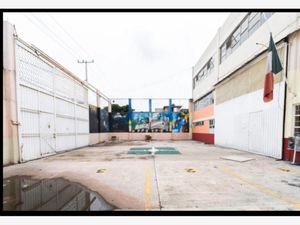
(55, 35)
(47, 34)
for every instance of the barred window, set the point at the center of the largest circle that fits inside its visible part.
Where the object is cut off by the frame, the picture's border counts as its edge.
(204, 101)
(297, 121)
(206, 69)
(199, 123)
(212, 123)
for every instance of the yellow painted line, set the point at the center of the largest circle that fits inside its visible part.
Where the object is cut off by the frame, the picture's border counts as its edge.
(147, 190)
(261, 188)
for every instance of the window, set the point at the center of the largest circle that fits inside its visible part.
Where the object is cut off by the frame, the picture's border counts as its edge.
(212, 123)
(223, 53)
(254, 22)
(210, 64)
(199, 123)
(246, 28)
(203, 73)
(266, 16)
(228, 46)
(235, 39)
(204, 101)
(297, 121)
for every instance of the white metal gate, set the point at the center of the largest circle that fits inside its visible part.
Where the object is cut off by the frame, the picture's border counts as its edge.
(248, 124)
(255, 132)
(52, 107)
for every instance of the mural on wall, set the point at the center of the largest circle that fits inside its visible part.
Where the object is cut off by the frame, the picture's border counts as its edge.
(104, 120)
(94, 119)
(159, 122)
(122, 118)
(180, 121)
(140, 122)
(119, 122)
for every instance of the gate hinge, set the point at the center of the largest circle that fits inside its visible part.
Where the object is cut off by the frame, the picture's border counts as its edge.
(15, 123)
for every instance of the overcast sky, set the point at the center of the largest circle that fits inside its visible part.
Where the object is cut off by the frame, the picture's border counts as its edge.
(135, 54)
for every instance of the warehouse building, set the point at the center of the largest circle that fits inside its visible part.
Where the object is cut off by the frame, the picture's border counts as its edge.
(228, 83)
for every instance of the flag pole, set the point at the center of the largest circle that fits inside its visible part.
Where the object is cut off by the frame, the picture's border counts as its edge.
(285, 75)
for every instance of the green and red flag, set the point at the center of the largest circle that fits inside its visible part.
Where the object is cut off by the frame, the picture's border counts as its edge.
(273, 67)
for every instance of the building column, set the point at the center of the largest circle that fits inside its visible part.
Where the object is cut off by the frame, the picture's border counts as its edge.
(129, 115)
(10, 117)
(191, 110)
(170, 111)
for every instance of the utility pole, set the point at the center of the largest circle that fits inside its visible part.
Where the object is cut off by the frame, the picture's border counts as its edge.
(85, 62)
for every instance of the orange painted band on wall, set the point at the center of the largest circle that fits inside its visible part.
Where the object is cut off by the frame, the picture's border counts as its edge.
(207, 111)
(201, 129)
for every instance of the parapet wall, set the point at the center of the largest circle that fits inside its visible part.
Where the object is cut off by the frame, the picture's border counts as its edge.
(101, 137)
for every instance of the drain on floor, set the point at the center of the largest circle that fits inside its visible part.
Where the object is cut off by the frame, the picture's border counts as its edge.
(22, 193)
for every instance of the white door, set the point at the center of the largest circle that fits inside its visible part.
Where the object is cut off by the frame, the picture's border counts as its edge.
(47, 135)
(256, 132)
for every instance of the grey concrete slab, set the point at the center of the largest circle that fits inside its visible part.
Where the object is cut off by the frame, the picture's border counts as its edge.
(236, 158)
(143, 182)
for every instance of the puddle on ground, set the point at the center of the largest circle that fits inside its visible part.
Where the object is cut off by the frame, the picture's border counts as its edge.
(22, 193)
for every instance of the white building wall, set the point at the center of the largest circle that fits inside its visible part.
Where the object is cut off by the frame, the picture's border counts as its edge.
(247, 123)
(204, 86)
(280, 24)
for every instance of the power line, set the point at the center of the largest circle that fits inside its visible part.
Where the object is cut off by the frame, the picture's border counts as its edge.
(160, 80)
(47, 34)
(69, 35)
(96, 66)
(53, 39)
(70, 50)
(54, 34)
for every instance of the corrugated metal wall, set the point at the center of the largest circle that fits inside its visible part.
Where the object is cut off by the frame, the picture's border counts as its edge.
(247, 123)
(52, 107)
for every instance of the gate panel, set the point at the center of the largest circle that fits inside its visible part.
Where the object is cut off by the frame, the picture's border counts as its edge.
(47, 134)
(256, 132)
(53, 107)
(30, 146)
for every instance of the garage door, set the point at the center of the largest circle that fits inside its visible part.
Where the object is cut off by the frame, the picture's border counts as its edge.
(52, 107)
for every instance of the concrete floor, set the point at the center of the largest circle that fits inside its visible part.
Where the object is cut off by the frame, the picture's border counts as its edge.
(141, 182)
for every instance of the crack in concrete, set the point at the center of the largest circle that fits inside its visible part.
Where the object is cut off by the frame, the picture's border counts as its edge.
(157, 186)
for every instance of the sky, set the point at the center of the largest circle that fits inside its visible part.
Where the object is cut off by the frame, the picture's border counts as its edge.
(138, 55)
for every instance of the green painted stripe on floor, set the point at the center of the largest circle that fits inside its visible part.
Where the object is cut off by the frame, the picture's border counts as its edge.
(161, 150)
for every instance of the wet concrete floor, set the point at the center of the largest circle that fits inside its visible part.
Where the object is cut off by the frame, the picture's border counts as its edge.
(22, 193)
